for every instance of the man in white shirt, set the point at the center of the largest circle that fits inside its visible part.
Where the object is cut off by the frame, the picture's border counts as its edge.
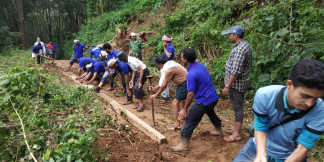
(41, 51)
(140, 72)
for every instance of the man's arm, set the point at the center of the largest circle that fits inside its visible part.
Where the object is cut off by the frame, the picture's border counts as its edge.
(143, 56)
(183, 112)
(167, 52)
(93, 78)
(141, 76)
(121, 77)
(73, 53)
(261, 144)
(298, 155)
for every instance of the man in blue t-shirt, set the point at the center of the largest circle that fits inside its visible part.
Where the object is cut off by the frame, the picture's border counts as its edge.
(54, 49)
(199, 86)
(94, 51)
(288, 120)
(82, 61)
(169, 54)
(36, 51)
(94, 70)
(79, 50)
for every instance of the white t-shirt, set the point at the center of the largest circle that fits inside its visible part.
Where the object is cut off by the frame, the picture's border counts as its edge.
(134, 63)
(43, 47)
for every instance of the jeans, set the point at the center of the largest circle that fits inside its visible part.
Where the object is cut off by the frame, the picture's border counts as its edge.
(195, 114)
(106, 76)
(73, 60)
(248, 153)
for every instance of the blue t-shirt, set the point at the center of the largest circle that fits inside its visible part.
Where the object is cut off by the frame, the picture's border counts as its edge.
(112, 55)
(171, 50)
(79, 50)
(270, 108)
(82, 61)
(199, 81)
(99, 67)
(95, 51)
(123, 67)
(54, 47)
(36, 49)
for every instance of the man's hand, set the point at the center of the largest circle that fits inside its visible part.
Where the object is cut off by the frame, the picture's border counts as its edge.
(111, 74)
(152, 96)
(182, 114)
(131, 84)
(260, 159)
(225, 91)
(151, 88)
(139, 85)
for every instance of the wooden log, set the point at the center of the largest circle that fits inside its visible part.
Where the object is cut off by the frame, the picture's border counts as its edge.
(133, 119)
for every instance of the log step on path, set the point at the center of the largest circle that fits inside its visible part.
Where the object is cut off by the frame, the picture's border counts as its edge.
(120, 110)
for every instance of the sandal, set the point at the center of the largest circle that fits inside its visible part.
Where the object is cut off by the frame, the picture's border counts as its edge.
(174, 128)
(128, 102)
(164, 101)
(232, 139)
(140, 108)
(110, 89)
(136, 106)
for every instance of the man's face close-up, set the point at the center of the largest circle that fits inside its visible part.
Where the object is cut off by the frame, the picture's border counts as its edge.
(231, 37)
(133, 37)
(302, 98)
(182, 59)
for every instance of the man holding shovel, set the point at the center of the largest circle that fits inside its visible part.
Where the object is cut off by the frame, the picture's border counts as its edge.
(171, 71)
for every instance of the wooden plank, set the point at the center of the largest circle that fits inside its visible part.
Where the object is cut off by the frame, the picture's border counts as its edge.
(133, 119)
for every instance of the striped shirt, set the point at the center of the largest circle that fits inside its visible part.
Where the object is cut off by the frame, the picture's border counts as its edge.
(239, 64)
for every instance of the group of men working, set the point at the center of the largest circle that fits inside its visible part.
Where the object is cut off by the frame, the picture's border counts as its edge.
(41, 49)
(288, 119)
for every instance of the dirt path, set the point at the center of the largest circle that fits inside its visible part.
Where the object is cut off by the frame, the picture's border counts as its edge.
(138, 147)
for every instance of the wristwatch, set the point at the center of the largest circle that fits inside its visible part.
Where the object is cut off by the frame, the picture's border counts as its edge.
(226, 86)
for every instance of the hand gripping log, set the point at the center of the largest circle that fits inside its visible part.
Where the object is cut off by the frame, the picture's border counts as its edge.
(150, 78)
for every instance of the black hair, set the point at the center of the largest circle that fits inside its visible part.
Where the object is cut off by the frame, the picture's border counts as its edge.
(106, 46)
(168, 37)
(39, 44)
(189, 54)
(241, 35)
(122, 56)
(161, 59)
(85, 64)
(308, 73)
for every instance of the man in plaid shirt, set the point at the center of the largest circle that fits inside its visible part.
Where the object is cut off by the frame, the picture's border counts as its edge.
(237, 77)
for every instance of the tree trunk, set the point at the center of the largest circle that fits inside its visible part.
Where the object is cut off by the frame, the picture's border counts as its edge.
(70, 10)
(19, 17)
(101, 7)
(49, 21)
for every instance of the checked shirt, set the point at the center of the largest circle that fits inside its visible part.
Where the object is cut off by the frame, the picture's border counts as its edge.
(239, 64)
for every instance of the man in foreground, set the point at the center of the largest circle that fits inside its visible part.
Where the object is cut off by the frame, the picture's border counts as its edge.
(200, 86)
(79, 50)
(37, 50)
(140, 72)
(171, 71)
(288, 120)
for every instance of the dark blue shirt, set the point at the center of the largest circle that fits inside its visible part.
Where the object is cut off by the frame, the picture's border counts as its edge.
(82, 61)
(36, 49)
(95, 51)
(199, 81)
(99, 67)
(54, 47)
(170, 49)
(123, 67)
(79, 50)
(112, 55)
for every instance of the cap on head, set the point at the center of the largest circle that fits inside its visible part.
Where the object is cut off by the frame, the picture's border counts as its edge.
(89, 66)
(159, 59)
(76, 41)
(103, 53)
(122, 56)
(112, 62)
(234, 30)
(133, 34)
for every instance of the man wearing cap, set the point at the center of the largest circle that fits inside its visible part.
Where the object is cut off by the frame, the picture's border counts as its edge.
(171, 71)
(36, 50)
(79, 50)
(237, 77)
(42, 51)
(169, 54)
(124, 70)
(95, 69)
(199, 86)
(140, 72)
(94, 51)
(82, 61)
(136, 47)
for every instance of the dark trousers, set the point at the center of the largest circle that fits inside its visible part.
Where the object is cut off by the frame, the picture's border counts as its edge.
(196, 113)
(38, 59)
(139, 92)
(236, 98)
